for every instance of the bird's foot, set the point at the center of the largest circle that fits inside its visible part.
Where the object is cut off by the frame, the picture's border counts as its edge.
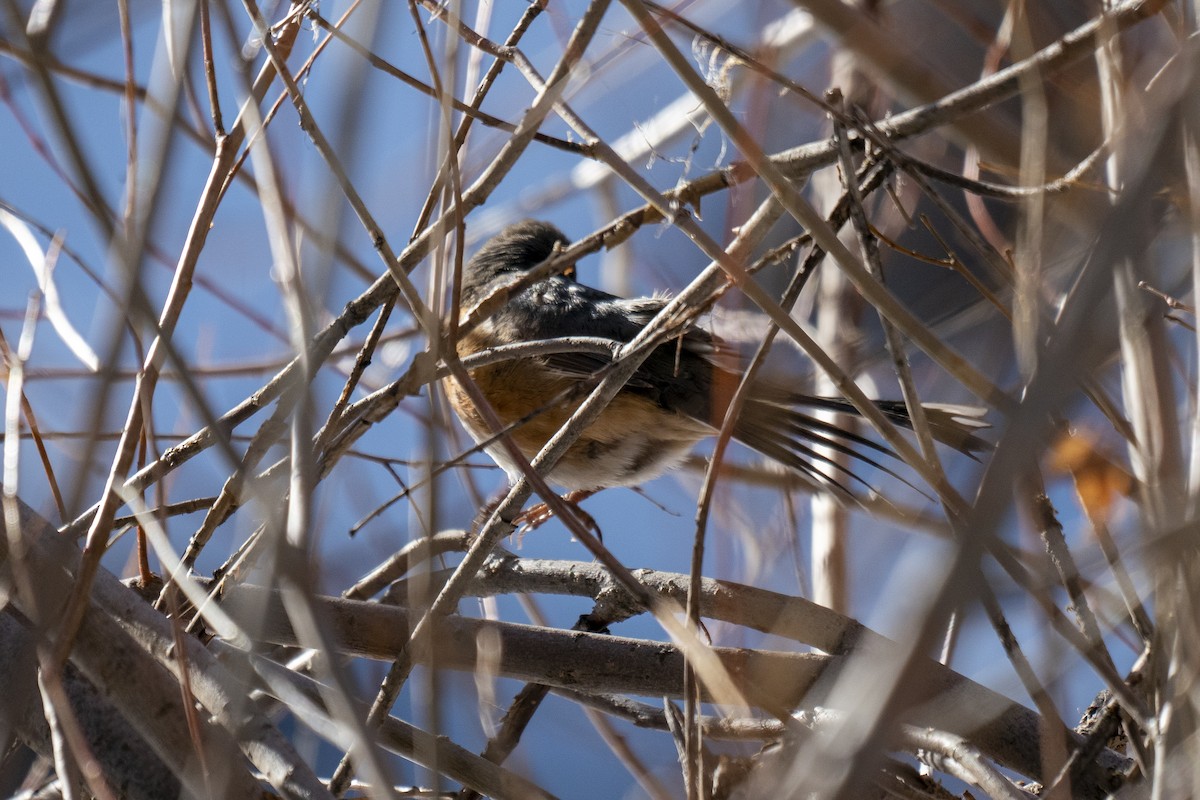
(536, 516)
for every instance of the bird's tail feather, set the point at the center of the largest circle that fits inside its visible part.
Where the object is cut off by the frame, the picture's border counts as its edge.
(773, 424)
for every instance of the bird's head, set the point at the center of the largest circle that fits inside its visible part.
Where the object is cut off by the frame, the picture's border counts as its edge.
(518, 248)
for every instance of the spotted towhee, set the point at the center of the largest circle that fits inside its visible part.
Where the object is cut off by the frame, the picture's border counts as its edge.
(678, 396)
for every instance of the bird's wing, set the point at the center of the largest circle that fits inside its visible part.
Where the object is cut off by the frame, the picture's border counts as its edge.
(675, 368)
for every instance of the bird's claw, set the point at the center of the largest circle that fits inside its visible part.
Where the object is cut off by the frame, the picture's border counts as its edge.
(536, 516)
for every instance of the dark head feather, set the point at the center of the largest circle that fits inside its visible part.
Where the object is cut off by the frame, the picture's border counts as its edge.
(519, 247)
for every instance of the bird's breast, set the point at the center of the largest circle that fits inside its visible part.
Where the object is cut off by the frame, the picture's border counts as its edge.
(631, 441)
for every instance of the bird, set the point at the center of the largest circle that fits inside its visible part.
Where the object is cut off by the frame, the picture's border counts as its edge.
(677, 397)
